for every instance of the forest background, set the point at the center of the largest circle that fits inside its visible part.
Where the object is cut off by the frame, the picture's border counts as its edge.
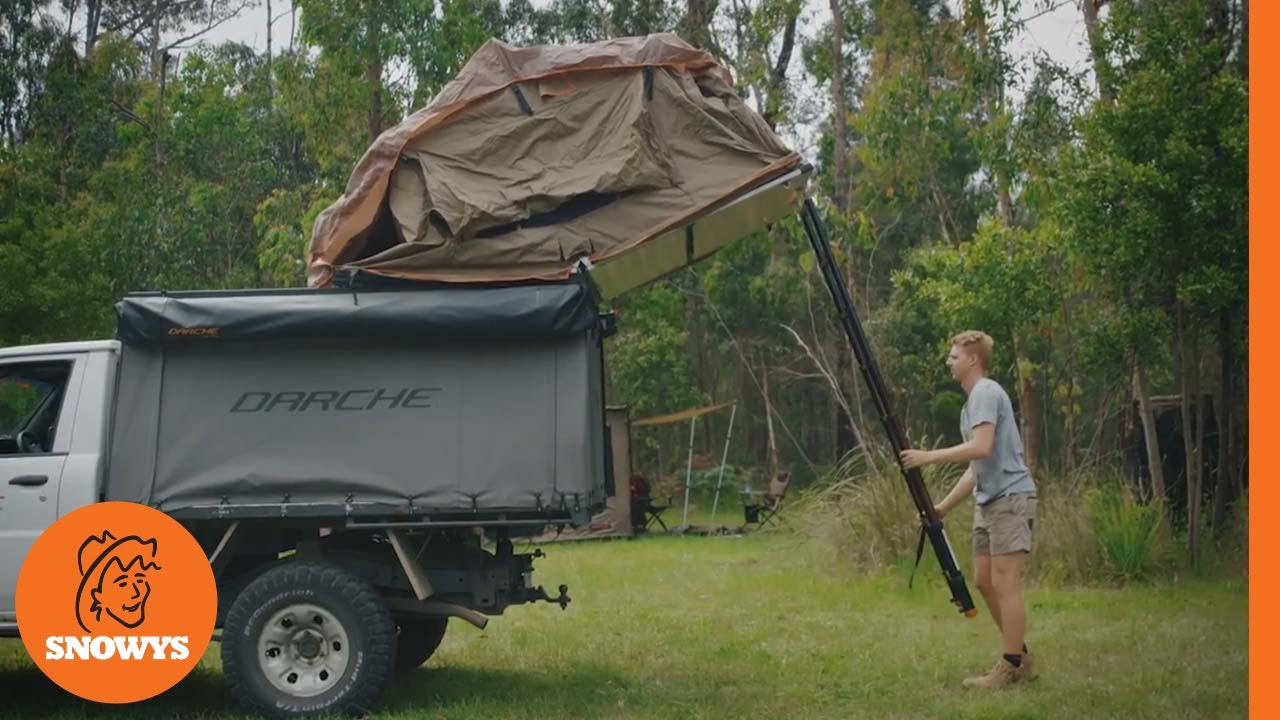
(1092, 219)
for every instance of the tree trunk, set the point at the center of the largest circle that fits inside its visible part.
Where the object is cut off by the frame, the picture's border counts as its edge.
(1072, 420)
(1188, 347)
(846, 439)
(1223, 485)
(71, 9)
(695, 26)
(777, 83)
(270, 85)
(1005, 200)
(1027, 408)
(840, 154)
(1149, 437)
(1101, 67)
(92, 17)
(1243, 58)
(159, 122)
(153, 42)
(373, 74)
(768, 420)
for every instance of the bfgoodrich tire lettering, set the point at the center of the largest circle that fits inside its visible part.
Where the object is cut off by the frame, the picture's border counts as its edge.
(369, 630)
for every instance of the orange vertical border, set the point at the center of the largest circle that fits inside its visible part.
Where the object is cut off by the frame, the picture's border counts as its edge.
(1264, 387)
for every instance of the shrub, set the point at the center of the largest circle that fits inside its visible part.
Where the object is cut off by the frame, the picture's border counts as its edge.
(1133, 537)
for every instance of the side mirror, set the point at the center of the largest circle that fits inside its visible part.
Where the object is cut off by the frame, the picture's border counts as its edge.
(27, 443)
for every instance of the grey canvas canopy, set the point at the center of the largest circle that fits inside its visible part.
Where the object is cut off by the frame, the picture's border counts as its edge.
(433, 401)
(534, 159)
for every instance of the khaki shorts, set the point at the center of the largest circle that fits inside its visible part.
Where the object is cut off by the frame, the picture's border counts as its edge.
(1004, 525)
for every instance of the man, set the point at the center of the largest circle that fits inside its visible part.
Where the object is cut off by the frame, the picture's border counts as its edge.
(1005, 498)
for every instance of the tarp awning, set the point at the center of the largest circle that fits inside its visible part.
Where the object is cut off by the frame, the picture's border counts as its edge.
(679, 416)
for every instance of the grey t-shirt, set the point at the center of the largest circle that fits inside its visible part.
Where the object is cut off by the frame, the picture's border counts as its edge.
(1003, 471)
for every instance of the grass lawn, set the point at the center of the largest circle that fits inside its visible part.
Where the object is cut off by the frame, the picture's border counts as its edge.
(765, 626)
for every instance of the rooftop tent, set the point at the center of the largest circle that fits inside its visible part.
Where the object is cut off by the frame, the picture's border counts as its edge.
(632, 156)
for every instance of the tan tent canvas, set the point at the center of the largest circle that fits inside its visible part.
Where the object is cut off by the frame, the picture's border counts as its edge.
(534, 159)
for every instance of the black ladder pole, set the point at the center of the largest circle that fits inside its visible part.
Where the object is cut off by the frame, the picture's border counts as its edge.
(931, 524)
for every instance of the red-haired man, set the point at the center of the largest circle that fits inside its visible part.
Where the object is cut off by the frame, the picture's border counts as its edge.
(1005, 497)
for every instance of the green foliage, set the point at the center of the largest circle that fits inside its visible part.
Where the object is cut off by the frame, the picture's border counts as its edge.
(439, 44)
(1132, 535)
(650, 368)
(1001, 280)
(1114, 213)
(1154, 195)
(27, 37)
(702, 483)
(913, 171)
(283, 221)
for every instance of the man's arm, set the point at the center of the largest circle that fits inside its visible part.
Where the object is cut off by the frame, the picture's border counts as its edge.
(962, 490)
(976, 448)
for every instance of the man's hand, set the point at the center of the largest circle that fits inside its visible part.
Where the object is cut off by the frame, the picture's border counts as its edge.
(940, 510)
(915, 458)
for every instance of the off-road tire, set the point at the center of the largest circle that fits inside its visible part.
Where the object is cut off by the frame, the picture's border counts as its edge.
(418, 639)
(368, 626)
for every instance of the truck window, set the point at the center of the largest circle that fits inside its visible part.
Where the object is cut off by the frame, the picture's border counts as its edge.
(30, 398)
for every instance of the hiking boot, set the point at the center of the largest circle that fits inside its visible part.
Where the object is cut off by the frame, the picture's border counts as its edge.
(1002, 675)
(1026, 671)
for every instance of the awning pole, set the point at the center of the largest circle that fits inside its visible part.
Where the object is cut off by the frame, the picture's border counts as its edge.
(715, 504)
(688, 474)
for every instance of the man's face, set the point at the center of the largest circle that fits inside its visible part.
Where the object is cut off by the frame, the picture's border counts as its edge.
(123, 593)
(960, 363)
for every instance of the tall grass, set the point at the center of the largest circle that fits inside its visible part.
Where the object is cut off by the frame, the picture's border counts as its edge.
(1133, 537)
(1089, 530)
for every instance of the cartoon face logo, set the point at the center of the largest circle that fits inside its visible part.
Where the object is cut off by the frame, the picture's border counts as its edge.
(115, 578)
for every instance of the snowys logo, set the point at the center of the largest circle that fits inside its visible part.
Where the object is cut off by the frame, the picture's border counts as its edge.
(116, 602)
(117, 574)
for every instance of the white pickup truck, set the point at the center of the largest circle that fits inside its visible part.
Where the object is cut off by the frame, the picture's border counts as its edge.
(354, 464)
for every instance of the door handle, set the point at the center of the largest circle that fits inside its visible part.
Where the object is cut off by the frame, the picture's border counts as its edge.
(29, 480)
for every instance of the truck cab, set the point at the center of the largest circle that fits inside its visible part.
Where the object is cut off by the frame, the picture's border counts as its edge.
(54, 418)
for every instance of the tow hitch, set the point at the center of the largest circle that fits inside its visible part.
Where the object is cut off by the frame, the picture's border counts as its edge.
(540, 594)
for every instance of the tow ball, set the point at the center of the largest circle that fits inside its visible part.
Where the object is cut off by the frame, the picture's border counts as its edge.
(539, 593)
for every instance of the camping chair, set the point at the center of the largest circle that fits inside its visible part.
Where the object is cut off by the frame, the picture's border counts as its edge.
(653, 513)
(765, 510)
(644, 511)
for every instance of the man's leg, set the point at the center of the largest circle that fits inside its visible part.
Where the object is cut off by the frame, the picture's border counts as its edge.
(1007, 538)
(982, 578)
(1006, 572)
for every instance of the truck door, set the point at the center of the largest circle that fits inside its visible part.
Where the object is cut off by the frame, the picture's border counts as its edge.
(37, 408)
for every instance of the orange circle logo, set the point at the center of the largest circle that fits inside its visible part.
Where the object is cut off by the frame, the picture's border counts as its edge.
(116, 602)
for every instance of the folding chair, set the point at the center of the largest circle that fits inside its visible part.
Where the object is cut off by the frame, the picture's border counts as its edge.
(765, 510)
(653, 513)
(644, 512)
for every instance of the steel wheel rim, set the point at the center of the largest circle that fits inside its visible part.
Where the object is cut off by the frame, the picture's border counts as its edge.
(303, 650)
